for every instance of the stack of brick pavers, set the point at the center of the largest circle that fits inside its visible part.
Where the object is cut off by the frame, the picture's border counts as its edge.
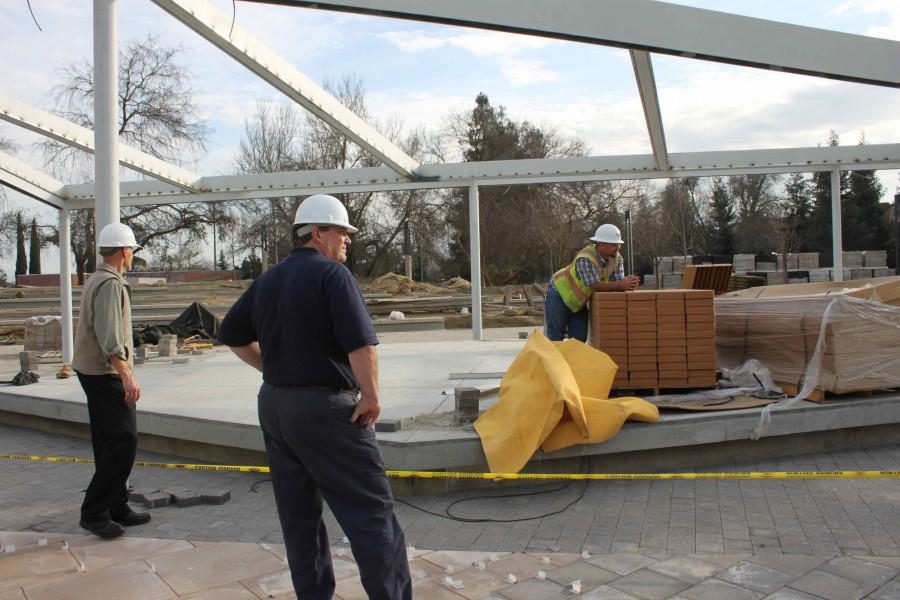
(658, 339)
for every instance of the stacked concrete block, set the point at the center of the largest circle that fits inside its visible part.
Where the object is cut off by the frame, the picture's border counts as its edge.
(875, 259)
(744, 263)
(765, 266)
(658, 339)
(665, 265)
(792, 260)
(168, 345)
(853, 260)
(798, 280)
(649, 282)
(467, 401)
(43, 334)
(775, 277)
(860, 273)
(680, 262)
(28, 361)
(882, 272)
(819, 275)
(807, 260)
(671, 280)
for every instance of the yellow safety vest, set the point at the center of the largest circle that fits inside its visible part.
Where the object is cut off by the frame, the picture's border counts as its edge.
(572, 290)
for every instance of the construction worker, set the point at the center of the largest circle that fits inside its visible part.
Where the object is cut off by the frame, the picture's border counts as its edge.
(598, 267)
(105, 366)
(304, 324)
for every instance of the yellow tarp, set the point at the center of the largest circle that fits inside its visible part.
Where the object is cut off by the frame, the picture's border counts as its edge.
(554, 395)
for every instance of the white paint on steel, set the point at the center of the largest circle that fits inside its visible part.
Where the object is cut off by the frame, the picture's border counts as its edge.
(29, 181)
(509, 172)
(837, 238)
(475, 259)
(65, 284)
(61, 130)
(643, 74)
(106, 83)
(215, 25)
(661, 28)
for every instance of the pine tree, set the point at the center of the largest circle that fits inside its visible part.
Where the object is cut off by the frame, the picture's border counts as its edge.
(222, 265)
(21, 260)
(797, 209)
(34, 259)
(863, 220)
(820, 234)
(722, 217)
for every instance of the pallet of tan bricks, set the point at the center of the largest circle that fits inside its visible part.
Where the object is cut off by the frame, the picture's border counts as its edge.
(660, 339)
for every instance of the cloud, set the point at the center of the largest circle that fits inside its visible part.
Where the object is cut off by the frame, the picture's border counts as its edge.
(891, 8)
(479, 43)
(505, 49)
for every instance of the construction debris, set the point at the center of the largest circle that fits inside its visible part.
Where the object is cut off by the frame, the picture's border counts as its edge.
(391, 283)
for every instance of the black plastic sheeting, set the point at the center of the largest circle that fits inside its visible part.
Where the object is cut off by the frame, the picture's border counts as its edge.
(195, 320)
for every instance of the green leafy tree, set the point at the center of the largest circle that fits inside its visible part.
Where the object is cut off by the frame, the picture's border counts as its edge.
(34, 260)
(797, 210)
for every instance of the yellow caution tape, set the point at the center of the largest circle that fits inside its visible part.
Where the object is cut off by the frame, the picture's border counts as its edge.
(510, 476)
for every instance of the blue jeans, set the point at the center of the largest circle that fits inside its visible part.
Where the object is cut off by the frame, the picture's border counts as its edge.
(559, 320)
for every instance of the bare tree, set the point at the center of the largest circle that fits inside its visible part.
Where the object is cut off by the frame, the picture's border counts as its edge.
(157, 115)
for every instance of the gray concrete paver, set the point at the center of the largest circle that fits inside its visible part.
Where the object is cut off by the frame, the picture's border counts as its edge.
(837, 537)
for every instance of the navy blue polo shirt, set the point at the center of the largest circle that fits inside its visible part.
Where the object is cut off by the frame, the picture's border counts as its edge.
(307, 314)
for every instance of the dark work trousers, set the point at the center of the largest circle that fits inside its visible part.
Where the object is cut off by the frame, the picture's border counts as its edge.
(316, 452)
(114, 437)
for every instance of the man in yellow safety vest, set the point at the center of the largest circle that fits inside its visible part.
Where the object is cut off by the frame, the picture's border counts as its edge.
(598, 267)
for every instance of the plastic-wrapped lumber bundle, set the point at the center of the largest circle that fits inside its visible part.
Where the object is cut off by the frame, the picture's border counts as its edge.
(844, 339)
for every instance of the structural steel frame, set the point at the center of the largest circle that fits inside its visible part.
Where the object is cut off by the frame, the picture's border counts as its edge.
(643, 27)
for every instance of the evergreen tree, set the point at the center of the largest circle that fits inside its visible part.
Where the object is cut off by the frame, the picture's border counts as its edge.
(222, 265)
(820, 234)
(34, 259)
(251, 267)
(797, 209)
(21, 261)
(863, 222)
(722, 217)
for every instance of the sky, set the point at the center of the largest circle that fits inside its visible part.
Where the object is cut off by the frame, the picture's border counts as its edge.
(421, 73)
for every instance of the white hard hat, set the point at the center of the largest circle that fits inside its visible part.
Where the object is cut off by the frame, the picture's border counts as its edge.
(325, 210)
(117, 235)
(608, 234)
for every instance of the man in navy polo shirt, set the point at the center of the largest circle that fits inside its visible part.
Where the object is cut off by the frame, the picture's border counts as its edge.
(304, 324)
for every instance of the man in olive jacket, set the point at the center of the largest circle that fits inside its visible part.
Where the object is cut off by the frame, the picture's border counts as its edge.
(104, 363)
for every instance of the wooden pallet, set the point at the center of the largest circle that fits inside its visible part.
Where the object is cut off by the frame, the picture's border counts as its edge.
(822, 396)
(707, 277)
(661, 391)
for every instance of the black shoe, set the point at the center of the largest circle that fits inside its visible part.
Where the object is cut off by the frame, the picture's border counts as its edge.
(133, 518)
(107, 530)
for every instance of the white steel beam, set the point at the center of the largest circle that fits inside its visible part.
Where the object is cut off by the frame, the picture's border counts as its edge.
(65, 284)
(61, 130)
(29, 181)
(475, 259)
(643, 74)
(837, 237)
(661, 28)
(106, 86)
(231, 38)
(509, 172)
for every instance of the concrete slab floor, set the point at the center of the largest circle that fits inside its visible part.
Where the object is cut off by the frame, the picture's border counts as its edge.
(414, 370)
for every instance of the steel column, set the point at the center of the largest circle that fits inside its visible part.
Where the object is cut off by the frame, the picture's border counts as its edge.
(106, 163)
(65, 284)
(837, 244)
(475, 257)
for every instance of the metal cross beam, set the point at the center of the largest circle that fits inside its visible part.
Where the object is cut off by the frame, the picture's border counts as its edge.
(657, 27)
(643, 73)
(216, 27)
(57, 128)
(510, 172)
(29, 181)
